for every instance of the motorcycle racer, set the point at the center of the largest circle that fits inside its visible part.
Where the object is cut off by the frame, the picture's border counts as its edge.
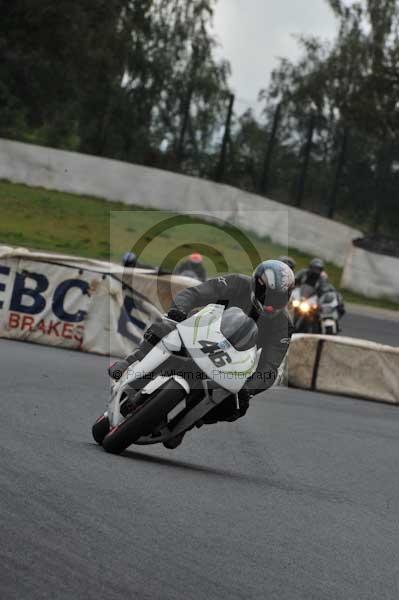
(192, 266)
(263, 297)
(316, 276)
(288, 261)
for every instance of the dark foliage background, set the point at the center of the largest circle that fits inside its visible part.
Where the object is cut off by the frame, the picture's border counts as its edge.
(137, 80)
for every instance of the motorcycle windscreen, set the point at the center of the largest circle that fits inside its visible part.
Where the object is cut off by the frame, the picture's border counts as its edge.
(307, 291)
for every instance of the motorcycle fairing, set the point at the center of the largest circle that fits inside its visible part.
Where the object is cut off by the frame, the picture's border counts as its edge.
(213, 353)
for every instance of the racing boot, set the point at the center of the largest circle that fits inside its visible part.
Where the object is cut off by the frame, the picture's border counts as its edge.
(174, 442)
(116, 369)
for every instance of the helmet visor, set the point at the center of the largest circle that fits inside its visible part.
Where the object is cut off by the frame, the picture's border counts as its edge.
(272, 299)
(270, 304)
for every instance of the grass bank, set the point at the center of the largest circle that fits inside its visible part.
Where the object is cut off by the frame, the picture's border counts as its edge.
(59, 222)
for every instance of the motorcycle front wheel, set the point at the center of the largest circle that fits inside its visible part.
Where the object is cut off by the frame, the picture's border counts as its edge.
(145, 419)
(100, 429)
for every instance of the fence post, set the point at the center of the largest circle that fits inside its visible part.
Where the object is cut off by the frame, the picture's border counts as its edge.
(340, 165)
(222, 160)
(186, 103)
(186, 114)
(264, 181)
(305, 163)
(382, 175)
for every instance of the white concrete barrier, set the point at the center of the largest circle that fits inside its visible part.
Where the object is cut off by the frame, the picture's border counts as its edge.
(344, 366)
(373, 275)
(155, 188)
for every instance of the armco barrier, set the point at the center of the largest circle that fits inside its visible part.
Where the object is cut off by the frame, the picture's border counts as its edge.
(155, 188)
(344, 366)
(79, 303)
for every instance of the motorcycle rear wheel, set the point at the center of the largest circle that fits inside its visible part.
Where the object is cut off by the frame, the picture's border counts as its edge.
(145, 419)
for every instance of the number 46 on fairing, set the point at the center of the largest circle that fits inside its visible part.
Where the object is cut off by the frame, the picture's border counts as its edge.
(218, 356)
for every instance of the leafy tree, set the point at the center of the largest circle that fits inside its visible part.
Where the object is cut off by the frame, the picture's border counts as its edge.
(351, 86)
(110, 77)
(137, 80)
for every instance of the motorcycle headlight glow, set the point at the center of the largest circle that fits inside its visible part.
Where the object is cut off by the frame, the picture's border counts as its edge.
(304, 307)
(295, 303)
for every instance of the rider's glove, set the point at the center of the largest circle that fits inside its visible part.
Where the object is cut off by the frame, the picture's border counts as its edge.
(116, 369)
(157, 331)
(177, 315)
(151, 336)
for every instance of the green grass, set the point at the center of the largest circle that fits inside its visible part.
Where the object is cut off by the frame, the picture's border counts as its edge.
(80, 225)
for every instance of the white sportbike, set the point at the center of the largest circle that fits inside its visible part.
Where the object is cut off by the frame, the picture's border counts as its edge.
(191, 370)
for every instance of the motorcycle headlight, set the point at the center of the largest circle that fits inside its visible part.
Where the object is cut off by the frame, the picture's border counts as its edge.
(304, 307)
(295, 303)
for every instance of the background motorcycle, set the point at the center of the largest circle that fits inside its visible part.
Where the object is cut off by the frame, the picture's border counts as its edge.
(196, 366)
(313, 314)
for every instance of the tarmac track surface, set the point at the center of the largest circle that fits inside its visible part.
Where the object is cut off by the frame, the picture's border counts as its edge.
(379, 330)
(299, 500)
